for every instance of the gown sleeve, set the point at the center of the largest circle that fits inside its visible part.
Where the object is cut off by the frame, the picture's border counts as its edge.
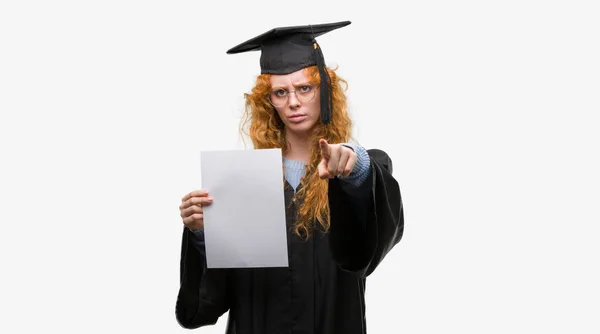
(203, 293)
(366, 221)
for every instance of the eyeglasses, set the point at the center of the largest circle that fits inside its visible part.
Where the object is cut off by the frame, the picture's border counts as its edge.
(281, 97)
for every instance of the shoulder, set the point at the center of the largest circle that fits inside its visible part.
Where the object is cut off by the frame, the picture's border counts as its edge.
(381, 157)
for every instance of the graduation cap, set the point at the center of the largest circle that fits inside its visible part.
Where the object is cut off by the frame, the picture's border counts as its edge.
(289, 49)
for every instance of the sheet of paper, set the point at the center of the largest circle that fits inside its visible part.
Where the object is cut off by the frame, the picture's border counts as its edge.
(245, 225)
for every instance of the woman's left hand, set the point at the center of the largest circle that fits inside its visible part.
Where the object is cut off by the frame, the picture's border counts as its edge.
(336, 160)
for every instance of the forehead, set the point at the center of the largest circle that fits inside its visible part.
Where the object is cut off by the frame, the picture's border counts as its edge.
(289, 79)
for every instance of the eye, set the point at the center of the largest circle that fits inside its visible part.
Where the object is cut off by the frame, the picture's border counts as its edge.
(280, 93)
(305, 88)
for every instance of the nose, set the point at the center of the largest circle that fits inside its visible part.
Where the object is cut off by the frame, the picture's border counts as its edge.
(293, 100)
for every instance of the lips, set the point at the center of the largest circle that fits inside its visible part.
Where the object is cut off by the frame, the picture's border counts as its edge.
(297, 118)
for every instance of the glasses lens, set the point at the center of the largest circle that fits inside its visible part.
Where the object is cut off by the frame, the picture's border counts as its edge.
(279, 98)
(305, 93)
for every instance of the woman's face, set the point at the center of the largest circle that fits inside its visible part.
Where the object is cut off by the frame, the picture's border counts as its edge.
(299, 111)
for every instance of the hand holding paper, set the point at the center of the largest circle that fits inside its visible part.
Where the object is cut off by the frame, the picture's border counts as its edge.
(191, 208)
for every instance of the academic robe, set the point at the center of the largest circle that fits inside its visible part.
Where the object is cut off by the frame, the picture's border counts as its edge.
(323, 289)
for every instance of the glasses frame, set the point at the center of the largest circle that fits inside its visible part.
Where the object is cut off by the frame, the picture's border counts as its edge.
(315, 88)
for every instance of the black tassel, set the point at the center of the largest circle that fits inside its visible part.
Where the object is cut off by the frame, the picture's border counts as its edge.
(325, 91)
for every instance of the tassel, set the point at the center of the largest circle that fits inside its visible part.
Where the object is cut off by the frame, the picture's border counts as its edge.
(325, 91)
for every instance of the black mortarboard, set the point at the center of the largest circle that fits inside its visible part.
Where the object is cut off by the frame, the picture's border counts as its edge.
(289, 49)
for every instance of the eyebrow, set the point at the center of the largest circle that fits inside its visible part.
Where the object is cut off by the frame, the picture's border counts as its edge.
(297, 84)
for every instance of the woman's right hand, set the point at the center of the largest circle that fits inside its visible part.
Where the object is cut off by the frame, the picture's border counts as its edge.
(191, 208)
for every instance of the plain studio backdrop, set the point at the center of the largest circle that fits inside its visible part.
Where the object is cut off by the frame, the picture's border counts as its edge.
(489, 111)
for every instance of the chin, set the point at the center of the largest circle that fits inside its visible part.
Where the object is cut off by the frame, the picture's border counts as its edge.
(301, 128)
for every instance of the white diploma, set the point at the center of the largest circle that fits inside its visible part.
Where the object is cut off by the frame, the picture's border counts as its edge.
(245, 225)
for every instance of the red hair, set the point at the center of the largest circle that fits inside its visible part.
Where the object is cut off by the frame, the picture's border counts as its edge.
(266, 130)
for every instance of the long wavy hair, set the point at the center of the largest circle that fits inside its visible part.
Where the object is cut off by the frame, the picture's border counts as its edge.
(262, 124)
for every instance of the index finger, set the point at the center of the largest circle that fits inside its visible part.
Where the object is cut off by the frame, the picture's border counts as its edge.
(195, 193)
(324, 148)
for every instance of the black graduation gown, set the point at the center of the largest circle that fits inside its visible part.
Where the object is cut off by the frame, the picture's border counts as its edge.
(323, 290)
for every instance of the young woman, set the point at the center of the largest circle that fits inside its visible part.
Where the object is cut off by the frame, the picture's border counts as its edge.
(343, 206)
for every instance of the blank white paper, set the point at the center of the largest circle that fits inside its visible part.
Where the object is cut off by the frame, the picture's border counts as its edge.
(245, 225)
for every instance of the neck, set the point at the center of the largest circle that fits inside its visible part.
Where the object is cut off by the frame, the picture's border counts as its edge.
(298, 147)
